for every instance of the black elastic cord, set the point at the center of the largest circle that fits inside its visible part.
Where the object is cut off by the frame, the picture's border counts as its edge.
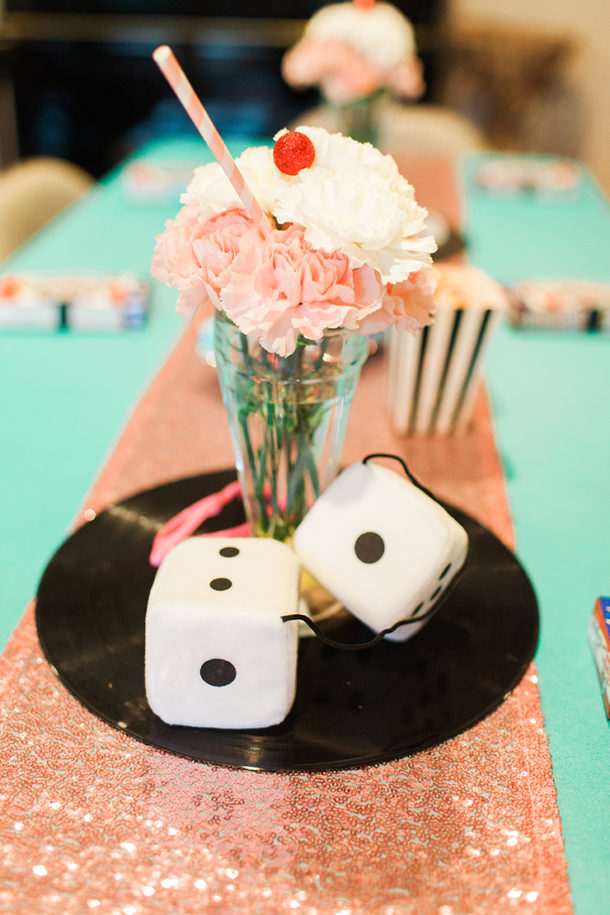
(355, 646)
(396, 457)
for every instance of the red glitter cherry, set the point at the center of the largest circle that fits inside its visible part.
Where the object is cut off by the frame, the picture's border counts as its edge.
(292, 152)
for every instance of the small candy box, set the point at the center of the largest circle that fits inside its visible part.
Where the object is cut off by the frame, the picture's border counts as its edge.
(562, 304)
(156, 182)
(599, 639)
(111, 303)
(77, 303)
(544, 176)
(24, 306)
(433, 376)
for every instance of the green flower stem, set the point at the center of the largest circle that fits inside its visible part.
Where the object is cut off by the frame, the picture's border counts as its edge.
(313, 473)
(295, 487)
(243, 421)
(273, 431)
(243, 342)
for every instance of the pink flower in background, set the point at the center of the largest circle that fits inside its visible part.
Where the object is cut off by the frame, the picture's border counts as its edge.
(282, 287)
(406, 78)
(341, 73)
(192, 256)
(408, 305)
(350, 76)
(349, 51)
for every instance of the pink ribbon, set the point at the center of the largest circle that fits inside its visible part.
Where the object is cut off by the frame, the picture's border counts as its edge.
(188, 520)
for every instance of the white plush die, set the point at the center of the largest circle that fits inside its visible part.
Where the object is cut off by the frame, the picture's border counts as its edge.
(217, 651)
(381, 546)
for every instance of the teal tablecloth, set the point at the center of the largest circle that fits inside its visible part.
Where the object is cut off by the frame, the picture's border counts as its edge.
(550, 394)
(64, 399)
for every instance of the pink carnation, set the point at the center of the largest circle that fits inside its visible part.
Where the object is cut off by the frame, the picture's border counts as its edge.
(406, 306)
(342, 73)
(406, 78)
(218, 246)
(193, 257)
(351, 77)
(282, 287)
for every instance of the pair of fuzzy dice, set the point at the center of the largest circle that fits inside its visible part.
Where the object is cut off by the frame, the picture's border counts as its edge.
(219, 654)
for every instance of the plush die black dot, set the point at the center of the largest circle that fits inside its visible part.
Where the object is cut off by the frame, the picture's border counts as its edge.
(221, 584)
(218, 672)
(229, 551)
(369, 547)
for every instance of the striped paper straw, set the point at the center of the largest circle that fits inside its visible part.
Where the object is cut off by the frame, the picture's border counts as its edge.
(174, 74)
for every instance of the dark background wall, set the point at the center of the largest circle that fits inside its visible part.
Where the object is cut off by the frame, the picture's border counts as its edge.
(87, 90)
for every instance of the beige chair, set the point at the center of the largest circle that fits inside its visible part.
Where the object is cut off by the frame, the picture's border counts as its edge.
(426, 130)
(32, 193)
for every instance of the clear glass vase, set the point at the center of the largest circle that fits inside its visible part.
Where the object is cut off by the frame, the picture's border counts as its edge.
(288, 417)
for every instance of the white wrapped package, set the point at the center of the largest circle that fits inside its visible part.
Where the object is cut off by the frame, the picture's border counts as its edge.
(381, 546)
(217, 651)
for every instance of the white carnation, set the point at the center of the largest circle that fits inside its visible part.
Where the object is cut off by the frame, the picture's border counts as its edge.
(211, 190)
(263, 177)
(382, 34)
(213, 193)
(353, 199)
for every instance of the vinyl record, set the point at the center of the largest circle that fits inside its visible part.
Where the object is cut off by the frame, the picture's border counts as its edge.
(352, 708)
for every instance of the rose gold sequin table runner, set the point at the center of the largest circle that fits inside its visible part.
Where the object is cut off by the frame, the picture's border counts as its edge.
(93, 821)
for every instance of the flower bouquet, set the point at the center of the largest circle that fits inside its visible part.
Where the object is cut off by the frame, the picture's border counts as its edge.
(340, 254)
(355, 52)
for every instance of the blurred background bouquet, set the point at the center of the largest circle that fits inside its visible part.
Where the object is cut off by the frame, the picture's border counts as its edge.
(354, 52)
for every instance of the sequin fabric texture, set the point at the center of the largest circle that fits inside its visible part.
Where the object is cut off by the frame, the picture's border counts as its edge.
(93, 821)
